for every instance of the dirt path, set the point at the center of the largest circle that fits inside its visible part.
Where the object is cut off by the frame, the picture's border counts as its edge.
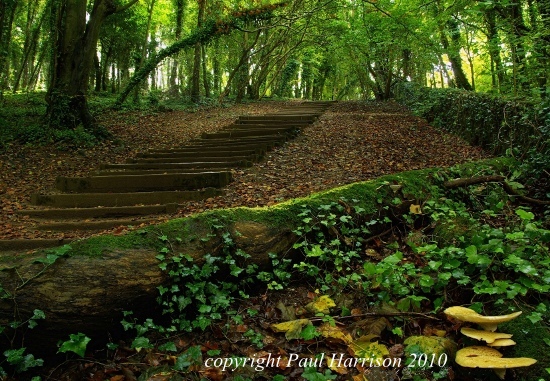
(351, 142)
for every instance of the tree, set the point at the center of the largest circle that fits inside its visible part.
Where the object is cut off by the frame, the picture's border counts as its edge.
(73, 55)
(7, 15)
(208, 31)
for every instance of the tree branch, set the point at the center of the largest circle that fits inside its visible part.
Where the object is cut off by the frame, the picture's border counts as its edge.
(464, 182)
(122, 8)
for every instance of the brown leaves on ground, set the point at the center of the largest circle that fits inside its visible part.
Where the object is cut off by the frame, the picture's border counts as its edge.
(352, 141)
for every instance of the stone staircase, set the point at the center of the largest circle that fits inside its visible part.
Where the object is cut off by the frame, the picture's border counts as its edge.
(158, 182)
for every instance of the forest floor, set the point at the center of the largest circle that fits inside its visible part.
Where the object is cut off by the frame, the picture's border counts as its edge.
(352, 141)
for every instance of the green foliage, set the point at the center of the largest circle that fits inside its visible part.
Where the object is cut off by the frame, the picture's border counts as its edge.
(20, 361)
(494, 262)
(198, 293)
(15, 329)
(255, 338)
(77, 343)
(311, 374)
(497, 124)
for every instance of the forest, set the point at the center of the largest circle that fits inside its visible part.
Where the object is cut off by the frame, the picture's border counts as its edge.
(203, 51)
(274, 190)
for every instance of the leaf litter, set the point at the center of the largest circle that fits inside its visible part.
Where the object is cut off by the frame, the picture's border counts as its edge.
(352, 141)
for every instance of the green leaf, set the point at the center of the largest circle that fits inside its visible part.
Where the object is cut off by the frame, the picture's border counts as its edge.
(20, 361)
(309, 332)
(525, 216)
(168, 347)
(141, 342)
(315, 251)
(77, 343)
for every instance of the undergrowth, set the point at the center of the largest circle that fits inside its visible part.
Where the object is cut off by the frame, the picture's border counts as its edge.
(516, 127)
(471, 246)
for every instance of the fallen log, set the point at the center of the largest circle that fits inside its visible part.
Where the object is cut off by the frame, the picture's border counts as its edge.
(83, 293)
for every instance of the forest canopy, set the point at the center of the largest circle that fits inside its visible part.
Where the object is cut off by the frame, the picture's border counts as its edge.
(331, 49)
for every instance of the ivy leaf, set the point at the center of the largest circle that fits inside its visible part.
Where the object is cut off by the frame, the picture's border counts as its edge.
(168, 347)
(141, 342)
(525, 216)
(77, 343)
(309, 332)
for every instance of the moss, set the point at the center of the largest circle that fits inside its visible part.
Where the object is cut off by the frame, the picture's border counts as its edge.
(530, 342)
(369, 195)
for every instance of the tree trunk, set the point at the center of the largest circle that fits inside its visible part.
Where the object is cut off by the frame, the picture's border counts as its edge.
(97, 70)
(88, 294)
(143, 55)
(174, 86)
(205, 74)
(195, 79)
(494, 47)
(542, 45)
(242, 78)
(7, 15)
(73, 58)
(453, 52)
(29, 47)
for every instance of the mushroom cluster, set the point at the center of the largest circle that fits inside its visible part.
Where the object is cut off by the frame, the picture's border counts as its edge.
(486, 356)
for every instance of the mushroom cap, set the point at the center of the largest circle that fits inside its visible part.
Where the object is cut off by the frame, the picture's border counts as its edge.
(488, 337)
(489, 358)
(488, 323)
(502, 343)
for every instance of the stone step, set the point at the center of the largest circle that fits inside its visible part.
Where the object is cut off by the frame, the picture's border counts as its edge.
(123, 171)
(198, 153)
(250, 133)
(216, 148)
(276, 140)
(143, 183)
(103, 212)
(287, 117)
(269, 123)
(30, 244)
(89, 200)
(197, 158)
(92, 225)
(212, 165)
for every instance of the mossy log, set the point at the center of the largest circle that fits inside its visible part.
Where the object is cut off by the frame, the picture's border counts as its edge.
(88, 293)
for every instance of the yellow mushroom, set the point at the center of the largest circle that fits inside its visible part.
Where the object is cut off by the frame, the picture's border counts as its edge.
(488, 323)
(502, 343)
(488, 337)
(489, 358)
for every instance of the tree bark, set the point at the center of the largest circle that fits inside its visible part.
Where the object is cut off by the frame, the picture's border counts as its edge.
(205, 76)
